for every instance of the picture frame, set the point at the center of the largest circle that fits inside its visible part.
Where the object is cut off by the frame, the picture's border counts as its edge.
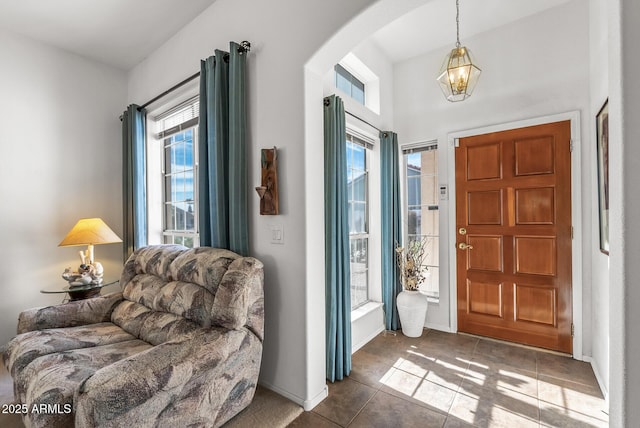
(602, 146)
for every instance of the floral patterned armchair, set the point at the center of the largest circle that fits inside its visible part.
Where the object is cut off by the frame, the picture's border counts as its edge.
(181, 345)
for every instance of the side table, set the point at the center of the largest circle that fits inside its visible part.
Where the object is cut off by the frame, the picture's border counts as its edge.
(81, 292)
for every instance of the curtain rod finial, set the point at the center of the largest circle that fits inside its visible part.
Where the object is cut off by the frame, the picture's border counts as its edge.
(245, 46)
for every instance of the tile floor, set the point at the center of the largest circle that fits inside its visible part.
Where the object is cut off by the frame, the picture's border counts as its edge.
(452, 380)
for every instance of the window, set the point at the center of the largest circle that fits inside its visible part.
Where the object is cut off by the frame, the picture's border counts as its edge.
(358, 206)
(177, 132)
(349, 84)
(421, 171)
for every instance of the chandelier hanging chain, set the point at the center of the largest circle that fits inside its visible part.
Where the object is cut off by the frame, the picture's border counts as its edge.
(457, 23)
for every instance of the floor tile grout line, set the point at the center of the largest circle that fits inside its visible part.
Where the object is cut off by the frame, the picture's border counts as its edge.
(537, 395)
(325, 418)
(460, 384)
(375, 388)
(362, 408)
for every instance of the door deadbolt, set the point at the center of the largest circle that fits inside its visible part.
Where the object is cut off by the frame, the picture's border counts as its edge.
(462, 231)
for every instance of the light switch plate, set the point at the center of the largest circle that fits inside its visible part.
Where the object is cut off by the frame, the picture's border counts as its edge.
(277, 234)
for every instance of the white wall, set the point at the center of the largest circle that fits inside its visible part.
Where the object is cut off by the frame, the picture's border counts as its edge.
(624, 295)
(61, 161)
(599, 262)
(522, 78)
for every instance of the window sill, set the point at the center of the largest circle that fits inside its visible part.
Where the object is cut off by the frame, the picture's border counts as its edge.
(364, 310)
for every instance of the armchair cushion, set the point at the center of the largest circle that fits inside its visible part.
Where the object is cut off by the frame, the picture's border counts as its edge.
(53, 379)
(34, 344)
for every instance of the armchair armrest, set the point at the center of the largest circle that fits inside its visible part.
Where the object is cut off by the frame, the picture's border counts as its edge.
(201, 379)
(71, 314)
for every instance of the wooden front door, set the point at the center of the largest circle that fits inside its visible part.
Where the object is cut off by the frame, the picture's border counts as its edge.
(513, 214)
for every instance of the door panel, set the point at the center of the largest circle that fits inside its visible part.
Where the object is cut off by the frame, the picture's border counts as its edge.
(486, 254)
(534, 156)
(513, 200)
(535, 255)
(536, 304)
(486, 299)
(485, 162)
(485, 207)
(535, 205)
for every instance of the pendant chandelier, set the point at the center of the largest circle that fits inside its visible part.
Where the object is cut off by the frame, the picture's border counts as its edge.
(459, 73)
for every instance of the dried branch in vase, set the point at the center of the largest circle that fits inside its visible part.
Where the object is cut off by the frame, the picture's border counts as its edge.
(411, 263)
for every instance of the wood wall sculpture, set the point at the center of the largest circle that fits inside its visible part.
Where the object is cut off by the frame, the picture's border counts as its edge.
(268, 191)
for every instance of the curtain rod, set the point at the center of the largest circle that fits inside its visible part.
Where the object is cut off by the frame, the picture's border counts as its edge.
(364, 121)
(171, 89)
(243, 47)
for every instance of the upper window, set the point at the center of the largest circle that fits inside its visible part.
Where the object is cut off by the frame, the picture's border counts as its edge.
(421, 172)
(178, 130)
(349, 84)
(358, 212)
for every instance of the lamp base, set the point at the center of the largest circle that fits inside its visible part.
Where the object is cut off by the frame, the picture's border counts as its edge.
(83, 294)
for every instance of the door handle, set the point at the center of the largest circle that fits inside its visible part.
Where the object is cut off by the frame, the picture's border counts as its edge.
(464, 246)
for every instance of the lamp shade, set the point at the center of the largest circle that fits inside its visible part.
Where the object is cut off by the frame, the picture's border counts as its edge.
(90, 231)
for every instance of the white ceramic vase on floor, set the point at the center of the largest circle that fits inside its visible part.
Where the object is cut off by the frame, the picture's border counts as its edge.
(412, 308)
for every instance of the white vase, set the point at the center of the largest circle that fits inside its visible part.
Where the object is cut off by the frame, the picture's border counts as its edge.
(412, 308)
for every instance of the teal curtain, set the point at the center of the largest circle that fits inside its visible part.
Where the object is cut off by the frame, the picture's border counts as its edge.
(391, 230)
(134, 190)
(337, 260)
(222, 170)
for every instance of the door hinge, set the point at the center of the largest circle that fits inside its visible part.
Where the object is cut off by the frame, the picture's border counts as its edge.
(571, 232)
(571, 146)
(573, 330)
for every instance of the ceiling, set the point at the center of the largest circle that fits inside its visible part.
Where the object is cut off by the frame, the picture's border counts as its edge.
(433, 25)
(122, 33)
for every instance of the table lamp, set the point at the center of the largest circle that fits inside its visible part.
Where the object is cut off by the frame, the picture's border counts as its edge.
(90, 232)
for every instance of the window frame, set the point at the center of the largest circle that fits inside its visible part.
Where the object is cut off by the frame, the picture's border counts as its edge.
(169, 235)
(356, 139)
(353, 82)
(431, 145)
(158, 174)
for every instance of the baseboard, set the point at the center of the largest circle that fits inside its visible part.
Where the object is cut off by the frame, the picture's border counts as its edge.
(355, 347)
(594, 367)
(307, 405)
(439, 327)
(310, 404)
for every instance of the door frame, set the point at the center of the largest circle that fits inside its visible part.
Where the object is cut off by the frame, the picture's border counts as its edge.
(576, 213)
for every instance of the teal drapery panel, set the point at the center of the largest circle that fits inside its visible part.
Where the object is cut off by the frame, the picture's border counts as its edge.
(222, 171)
(134, 190)
(238, 211)
(391, 229)
(337, 260)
